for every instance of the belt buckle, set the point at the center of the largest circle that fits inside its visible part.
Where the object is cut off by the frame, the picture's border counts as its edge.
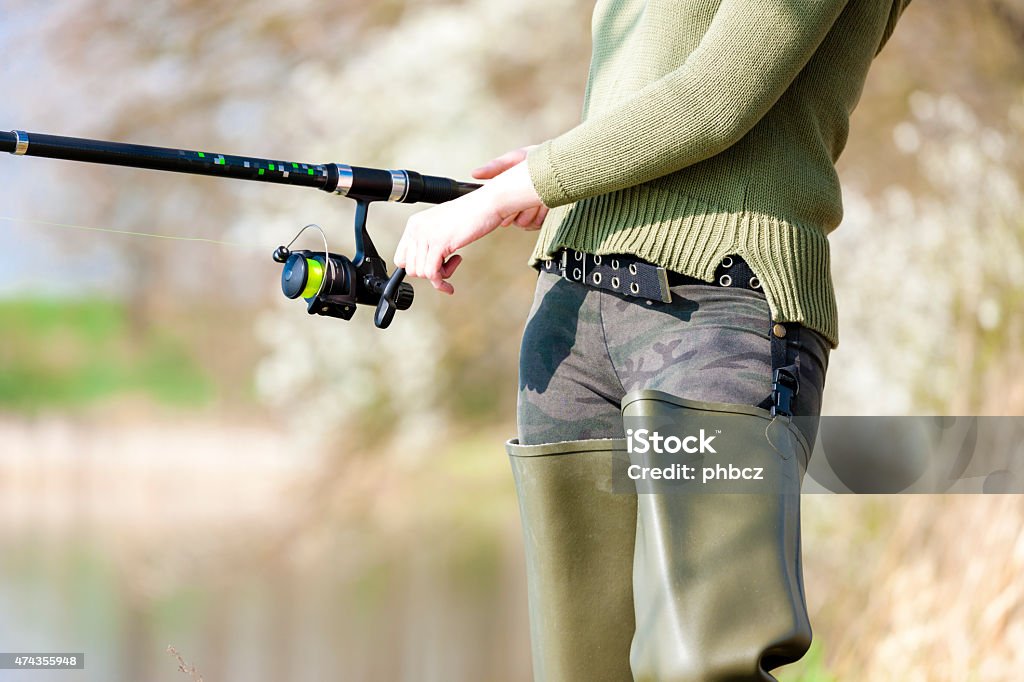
(666, 294)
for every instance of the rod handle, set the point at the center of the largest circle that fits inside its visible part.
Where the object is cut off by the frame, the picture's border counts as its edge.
(431, 189)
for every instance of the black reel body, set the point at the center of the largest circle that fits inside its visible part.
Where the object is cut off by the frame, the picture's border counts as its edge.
(334, 288)
(333, 285)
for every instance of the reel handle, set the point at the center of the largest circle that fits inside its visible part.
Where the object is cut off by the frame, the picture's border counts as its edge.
(387, 306)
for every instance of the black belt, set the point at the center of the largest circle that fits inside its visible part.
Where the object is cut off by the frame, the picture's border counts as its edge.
(631, 276)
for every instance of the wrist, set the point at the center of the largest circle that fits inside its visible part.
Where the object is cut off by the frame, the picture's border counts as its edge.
(513, 191)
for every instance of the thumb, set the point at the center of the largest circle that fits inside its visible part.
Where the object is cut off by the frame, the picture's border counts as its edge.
(499, 165)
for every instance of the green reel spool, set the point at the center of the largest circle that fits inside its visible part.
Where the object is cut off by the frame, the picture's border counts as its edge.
(302, 276)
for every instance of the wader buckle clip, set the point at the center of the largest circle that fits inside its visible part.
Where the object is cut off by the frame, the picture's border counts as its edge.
(784, 388)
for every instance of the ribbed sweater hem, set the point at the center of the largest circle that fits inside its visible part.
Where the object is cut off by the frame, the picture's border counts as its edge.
(692, 237)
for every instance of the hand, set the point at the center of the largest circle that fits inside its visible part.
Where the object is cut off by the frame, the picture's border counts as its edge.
(427, 248)
(530, 219)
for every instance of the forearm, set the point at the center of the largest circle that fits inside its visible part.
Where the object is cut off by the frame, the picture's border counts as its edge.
(749, 56)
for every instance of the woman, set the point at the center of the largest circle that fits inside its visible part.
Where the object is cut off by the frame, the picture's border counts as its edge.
(684, 265)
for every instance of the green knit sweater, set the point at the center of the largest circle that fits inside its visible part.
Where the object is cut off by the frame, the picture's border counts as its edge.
(712, 127)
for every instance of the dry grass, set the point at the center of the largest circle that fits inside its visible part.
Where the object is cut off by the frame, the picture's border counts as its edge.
(921, 587)
(188, 669)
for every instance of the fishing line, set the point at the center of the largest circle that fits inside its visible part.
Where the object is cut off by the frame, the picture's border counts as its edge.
(127, 233)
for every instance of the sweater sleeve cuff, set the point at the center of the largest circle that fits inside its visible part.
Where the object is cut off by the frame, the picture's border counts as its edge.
(545, 177)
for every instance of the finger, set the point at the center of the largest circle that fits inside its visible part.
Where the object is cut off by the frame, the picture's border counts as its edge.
(411, 262)
(508, 221)
(432, 262)
(542, 214)
(513, 157)
(400, 254)
(449, 267)
(527, 217)
(435, 271)
(490, 170)
(499, 165)
(402, 250)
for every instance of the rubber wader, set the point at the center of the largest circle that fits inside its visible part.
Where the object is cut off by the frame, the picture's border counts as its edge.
(717, 581)
(579, 538)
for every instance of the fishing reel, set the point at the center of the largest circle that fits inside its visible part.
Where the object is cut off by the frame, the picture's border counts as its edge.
(332, 285)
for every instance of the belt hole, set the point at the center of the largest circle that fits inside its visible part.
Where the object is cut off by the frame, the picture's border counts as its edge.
(615, 282)
(577, 274)
(727, 263)
(632, 268)
(597, 278)
(725, 281)
(597, 260)
(755, 283)
(615, 263)
(579, 255)
(634, 287)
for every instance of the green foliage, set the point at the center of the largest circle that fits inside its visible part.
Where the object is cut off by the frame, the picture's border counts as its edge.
(73, 353)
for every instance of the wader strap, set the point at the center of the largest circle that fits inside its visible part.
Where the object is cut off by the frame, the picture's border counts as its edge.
(785, 381)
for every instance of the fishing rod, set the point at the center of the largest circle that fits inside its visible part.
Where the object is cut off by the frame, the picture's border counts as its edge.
(331, 284)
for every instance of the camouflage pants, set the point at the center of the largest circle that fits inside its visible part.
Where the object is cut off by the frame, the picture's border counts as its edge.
(654, 586)
(583, 349)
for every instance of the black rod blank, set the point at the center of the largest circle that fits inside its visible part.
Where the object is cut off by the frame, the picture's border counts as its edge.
(8, 142)
(359, 183)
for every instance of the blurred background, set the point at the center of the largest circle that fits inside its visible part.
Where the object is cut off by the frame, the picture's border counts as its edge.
(188, 459)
